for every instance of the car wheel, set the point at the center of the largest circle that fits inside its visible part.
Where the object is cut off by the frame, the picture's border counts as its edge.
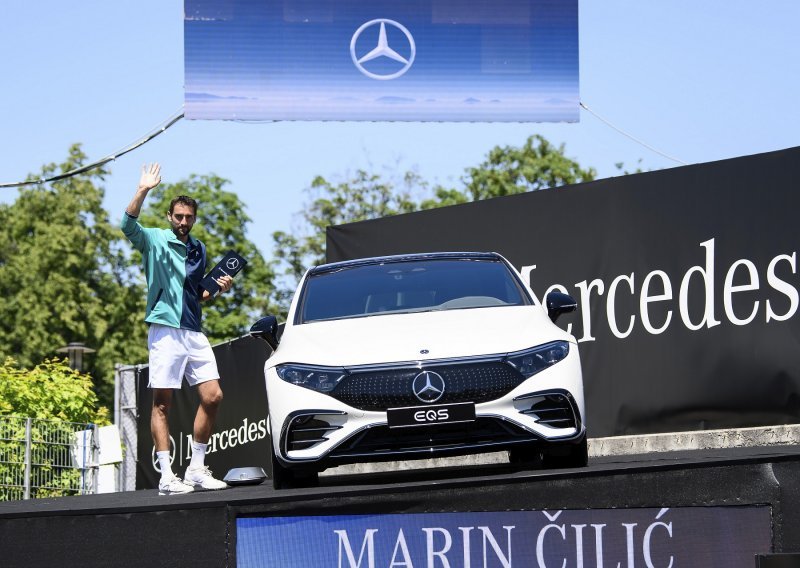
(567, 455)
(286, 478)
(280, 475)
(529, 455)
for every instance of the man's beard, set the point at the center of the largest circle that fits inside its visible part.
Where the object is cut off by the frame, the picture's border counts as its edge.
(179, 231)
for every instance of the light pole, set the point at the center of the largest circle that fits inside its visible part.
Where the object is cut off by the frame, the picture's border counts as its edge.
(75, 351)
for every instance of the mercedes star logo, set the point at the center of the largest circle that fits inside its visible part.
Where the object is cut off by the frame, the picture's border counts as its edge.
(428, 386)
(383, 49)
(232, 263)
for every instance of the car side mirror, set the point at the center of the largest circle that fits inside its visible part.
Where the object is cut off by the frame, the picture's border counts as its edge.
(558, 303)
(267, 329)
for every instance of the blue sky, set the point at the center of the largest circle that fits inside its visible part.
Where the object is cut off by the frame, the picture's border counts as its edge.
(701, 81)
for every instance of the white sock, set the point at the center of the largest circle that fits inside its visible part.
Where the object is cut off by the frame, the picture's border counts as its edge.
(164, 464)
(198, 454)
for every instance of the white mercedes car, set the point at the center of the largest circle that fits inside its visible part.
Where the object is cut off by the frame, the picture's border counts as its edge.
(419, 356)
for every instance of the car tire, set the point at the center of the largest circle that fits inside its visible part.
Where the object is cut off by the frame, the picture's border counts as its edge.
(287, 478)
(280, 475)
(567, 455)
(528, 455)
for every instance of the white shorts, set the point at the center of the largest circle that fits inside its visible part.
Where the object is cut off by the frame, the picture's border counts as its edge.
(177, 352)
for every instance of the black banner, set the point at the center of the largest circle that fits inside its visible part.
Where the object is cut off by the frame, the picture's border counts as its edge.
(240, 437)
(686, 281)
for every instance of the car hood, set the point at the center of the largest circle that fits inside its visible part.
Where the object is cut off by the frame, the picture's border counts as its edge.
(394, 338)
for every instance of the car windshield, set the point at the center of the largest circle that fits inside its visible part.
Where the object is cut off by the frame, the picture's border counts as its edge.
(409, 286)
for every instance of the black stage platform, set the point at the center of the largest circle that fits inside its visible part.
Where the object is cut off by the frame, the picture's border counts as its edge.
(144, 529)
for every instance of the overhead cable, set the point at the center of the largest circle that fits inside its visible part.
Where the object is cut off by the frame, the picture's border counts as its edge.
(648, 146)
(110, 158)
(179, 115)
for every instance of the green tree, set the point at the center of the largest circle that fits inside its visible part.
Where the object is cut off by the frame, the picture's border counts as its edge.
(537, 164)
(366, 196)
(64, 278)
(624, 170)
(49, 390)
(67, 273)
(221, 225)
(55, 396)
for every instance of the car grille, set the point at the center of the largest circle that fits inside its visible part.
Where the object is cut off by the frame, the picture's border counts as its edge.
(439, 438)
(392, 388)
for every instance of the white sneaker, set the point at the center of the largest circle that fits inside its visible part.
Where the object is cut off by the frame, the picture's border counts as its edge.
(174, 486)
(200, 479)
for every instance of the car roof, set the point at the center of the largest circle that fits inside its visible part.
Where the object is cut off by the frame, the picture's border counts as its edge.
(334, 266)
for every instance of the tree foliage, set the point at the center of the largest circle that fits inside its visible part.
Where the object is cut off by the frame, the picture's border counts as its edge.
(538, 164)
(64, 278)
(55, 397)
(49, 390)
(365, 196)
(67, 274)
(508, 170)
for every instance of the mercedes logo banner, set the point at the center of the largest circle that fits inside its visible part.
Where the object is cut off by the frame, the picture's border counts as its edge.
(432, 60)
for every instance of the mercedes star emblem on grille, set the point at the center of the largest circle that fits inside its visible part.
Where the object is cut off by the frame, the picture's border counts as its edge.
(428, 386)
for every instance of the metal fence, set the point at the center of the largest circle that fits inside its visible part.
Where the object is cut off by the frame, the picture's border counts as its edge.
(46, 458)
(126, 417)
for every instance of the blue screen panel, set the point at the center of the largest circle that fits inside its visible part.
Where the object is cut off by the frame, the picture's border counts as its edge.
(410, 60)
(684, 536)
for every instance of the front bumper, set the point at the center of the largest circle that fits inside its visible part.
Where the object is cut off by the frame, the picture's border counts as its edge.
(314, 430)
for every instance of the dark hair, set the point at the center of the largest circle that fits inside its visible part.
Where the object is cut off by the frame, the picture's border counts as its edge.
(183, 200)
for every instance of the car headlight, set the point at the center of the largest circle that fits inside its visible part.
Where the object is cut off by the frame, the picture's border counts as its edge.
(322, 379)
(531, 361)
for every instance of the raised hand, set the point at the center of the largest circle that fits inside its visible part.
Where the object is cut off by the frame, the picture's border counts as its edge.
(151, 176)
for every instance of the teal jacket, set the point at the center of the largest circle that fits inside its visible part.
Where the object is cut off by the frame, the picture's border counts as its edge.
(173, 271)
